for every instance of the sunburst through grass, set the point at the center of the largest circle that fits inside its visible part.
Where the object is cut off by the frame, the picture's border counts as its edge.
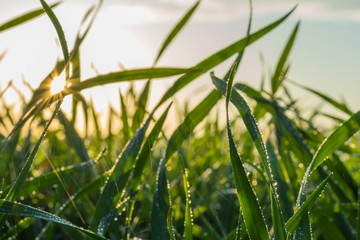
(58, 84)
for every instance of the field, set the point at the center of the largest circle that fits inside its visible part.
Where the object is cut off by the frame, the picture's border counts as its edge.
(261, 168)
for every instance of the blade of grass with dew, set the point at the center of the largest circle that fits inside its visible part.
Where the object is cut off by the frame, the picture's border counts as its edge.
(331, 144)
(176, 30)
(170, 224)
(145, 151)
(303, 210)
(122, 165)
(124, 119)
(19, 209)
(128, 75)
(251, 211)
(188, 235)
(252, 127)
(342, 107)
(277, 221)
(160, 205)
(24, 18)
(278, 76)
(219, 57)
(141, 107)
(73, 138)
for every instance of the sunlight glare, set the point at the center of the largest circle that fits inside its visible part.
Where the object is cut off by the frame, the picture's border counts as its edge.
(58, 84)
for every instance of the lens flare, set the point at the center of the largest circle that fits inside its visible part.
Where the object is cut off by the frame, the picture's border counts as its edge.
(58, 84)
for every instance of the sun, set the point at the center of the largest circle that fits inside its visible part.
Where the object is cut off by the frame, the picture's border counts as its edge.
(58, 84)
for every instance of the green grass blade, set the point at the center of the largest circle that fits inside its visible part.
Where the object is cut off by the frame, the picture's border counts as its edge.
(278, 76)
(144, 154)
(124, 119)
(24, 18)
(220, 57)
(73, 138)
(170, 224)
(129, 75)
(335, 140)
(303, 210)
(19, 209)
(188, 235)
(278, 224)
(254, 220)
(342, 107)
(59, 31)
(118, 173)
(176, 30)
(160, 205)
(141, 107)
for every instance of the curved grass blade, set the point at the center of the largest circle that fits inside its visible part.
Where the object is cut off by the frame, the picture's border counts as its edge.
(146, 149)
(305, 207)
(251, 125)
(176, 30)
(254, 220)
(24, 18)
(342, 107)
(59, 30)
(118, 175)
(128, 75)
(278, 76)
(219, 57)
(19, 209)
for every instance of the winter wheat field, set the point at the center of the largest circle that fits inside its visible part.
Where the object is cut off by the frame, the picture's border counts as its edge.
(215, 133)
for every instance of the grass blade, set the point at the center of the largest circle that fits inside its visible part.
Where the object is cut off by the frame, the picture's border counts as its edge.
(160, 205)
(306, 206)
(219, 57)
(124, 119)
(278, 76)
(19, 209)
(59, 31)
(251, 211)
(188, 212)
(176, 30)
(129, 75)
(278, 224)
(342, 107)
(358, 217)
(24, 18)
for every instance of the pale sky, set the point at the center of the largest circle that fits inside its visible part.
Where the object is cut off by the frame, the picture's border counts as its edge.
(325, 55)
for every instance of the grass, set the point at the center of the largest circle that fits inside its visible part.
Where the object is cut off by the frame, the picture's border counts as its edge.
(272, 175)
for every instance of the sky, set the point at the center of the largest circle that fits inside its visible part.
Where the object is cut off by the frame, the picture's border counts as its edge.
(325, 55)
